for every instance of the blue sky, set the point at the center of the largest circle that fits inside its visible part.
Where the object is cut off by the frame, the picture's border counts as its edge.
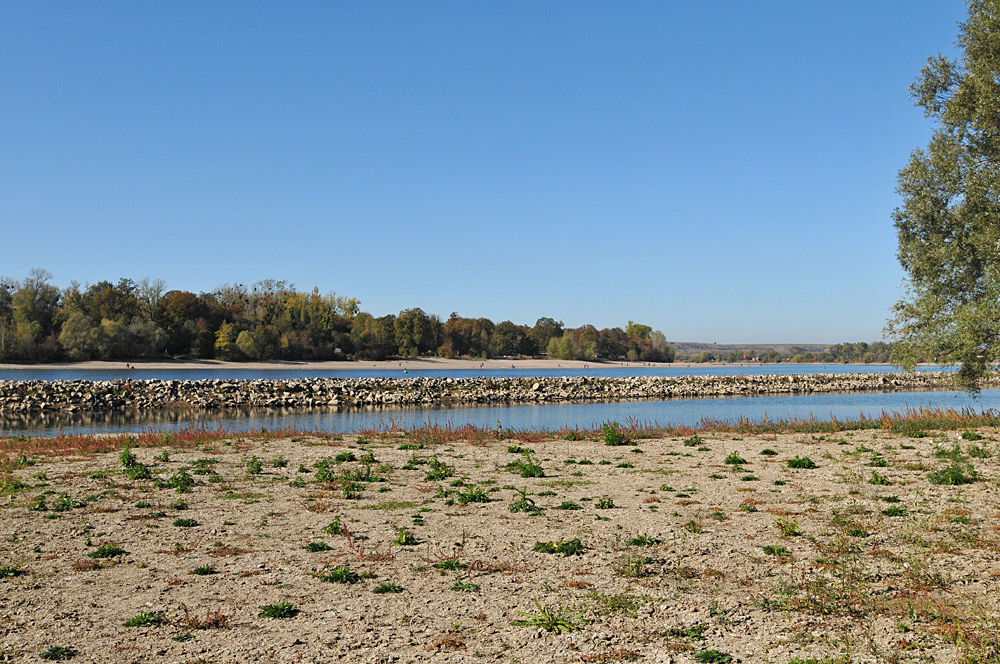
(720, 171)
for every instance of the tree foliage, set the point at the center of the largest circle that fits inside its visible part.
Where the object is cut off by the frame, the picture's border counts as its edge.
(949, 222)
(269, 320)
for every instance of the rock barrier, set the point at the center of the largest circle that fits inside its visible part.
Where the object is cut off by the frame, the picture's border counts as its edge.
(22, 397)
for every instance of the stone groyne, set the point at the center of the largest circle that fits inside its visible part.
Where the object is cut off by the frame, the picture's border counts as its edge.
(22, 397)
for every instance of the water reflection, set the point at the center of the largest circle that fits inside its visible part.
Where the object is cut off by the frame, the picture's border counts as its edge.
(554, 416)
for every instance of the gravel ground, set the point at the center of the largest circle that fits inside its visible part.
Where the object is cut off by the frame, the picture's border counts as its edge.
(657, 550)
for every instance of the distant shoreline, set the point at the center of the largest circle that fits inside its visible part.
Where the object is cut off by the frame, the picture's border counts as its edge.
(426, 364)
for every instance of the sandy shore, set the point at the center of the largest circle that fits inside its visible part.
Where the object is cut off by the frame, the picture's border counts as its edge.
(424, 363)
(430, 363)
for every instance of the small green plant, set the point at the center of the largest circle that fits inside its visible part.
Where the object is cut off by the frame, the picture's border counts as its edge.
(387, 587)
(693, 441)
(411, 446)
(895, 510)
(787, 527)
(180, 481)
(696, 631)
(472, 494)
(204, 570)
(573, 547)
(404, 538)
(612, 434)
(9, 571)
(712, 657)
(137, 472)
(352, 490)
(127, 459)
(344, 457)
(857, 532)
(605, 503)
(693, 526)
(341, 574)
(316, 547)
(144, 619)
(643, 540)
(107, 551)
(162, 457)
(779, 551)
(280, 462)
(254, 466)
(465, 587)
(801, 463)
(58, 653)
(568, 505)
(450, 565)
(878, 462)
(64, 503)
(517, 449)
(335, 527)
(185, 523)
(439, 470)
(524, 504)
(977, 452)
(954, 454)
(953, 474)
(558, 620)
(633, 567)
(879, 479)
(734, 459)
(526, 467)
(971, 435)
(767, 451)
(279, 610)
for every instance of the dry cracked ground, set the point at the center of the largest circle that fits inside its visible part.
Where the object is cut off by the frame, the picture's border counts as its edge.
(861, 546)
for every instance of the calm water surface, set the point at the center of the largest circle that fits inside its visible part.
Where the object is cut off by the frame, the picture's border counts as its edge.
(587, 415)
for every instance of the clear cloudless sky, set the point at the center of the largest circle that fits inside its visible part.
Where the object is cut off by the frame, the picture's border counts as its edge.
(721, 171)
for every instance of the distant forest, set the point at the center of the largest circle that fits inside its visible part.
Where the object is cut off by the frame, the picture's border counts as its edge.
(40, 322)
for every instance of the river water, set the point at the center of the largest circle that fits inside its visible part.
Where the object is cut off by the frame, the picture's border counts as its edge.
(584, 415)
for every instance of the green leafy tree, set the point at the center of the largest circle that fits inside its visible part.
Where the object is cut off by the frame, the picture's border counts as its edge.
(373, 338)
(637, 330)
(79, 337)
(225, 342)
(949, 222)
(35, 303)
(6, 319)
(416, 332)
(545, 329)
(563, 348)
(506, 338)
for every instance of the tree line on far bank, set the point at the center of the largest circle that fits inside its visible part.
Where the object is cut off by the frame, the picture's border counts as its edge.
(40, 322)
